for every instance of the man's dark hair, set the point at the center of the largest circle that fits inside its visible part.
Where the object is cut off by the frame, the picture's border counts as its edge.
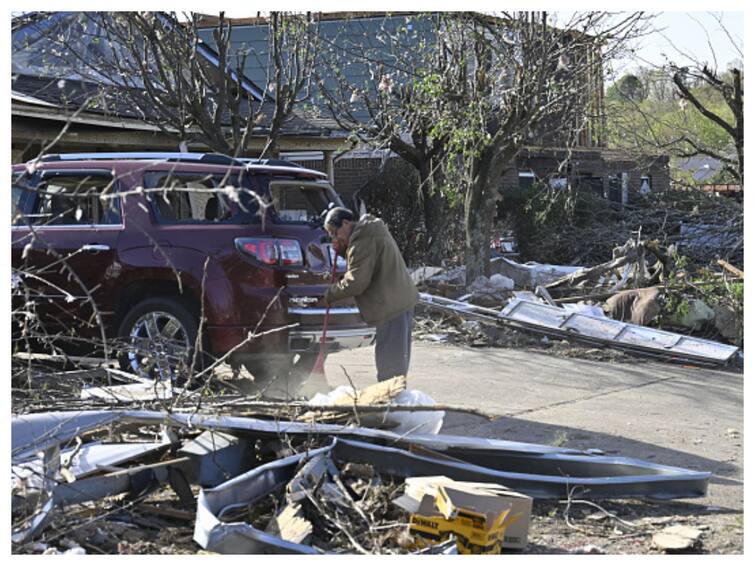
(337, 215)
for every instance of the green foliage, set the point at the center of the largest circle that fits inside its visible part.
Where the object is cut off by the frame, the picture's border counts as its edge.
(705, 284)
(546, 222)
(629, 87)
(662, 121)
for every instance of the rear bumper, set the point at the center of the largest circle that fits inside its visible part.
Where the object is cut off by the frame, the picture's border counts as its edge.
(301, 339)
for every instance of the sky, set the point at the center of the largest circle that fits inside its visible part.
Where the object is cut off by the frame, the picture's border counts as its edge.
(681, 36)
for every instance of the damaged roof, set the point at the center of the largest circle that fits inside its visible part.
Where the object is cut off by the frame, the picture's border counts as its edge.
(46, 72)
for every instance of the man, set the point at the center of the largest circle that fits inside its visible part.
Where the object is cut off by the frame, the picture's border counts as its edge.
(378, 281)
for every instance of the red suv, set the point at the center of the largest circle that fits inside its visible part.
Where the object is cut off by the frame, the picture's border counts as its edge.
(171, 258)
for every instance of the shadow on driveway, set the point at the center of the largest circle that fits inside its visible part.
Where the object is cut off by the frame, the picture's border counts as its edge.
(519, 430)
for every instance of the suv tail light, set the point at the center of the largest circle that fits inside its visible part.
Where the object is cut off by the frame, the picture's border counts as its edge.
(270, 251)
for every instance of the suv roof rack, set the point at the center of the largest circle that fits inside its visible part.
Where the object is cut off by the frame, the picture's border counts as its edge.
(281, 166)
(213, 158)
(273, 162)
(273, 165)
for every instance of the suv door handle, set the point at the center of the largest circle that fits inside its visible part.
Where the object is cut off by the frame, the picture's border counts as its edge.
(95, 248)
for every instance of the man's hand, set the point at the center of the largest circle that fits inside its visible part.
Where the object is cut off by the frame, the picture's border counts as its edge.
(337, 248)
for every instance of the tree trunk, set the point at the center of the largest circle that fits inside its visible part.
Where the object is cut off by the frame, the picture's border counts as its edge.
(479, 207)
(434, 224)
(477, 223)
(433, 213)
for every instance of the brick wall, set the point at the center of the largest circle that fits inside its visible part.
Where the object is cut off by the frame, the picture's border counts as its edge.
(350, 174)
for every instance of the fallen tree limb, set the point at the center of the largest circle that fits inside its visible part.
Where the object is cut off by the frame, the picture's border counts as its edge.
(248, 408)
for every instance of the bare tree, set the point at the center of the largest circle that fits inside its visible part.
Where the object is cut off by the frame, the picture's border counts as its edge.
(527, 82)
(156, 67)
(397, 106)
(730, 88)
(294, 42)
(694, 107)
(471, 91)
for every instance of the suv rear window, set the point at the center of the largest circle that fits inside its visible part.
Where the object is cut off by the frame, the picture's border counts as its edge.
(188, 198)
(297, 202)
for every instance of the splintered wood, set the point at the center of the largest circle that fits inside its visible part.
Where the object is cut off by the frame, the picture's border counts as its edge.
(380, 393)
(291, 525)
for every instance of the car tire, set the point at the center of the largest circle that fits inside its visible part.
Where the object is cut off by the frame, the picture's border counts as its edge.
(173, 330)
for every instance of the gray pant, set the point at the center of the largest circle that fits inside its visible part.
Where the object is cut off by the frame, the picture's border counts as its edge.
(393, 346)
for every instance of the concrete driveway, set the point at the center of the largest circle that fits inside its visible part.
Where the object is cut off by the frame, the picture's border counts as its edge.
(675, 415)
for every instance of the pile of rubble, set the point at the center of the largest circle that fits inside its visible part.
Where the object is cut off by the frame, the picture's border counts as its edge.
(644, 286)
(130, 480)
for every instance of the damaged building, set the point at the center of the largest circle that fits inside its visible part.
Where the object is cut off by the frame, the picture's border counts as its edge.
(588, 165)
(48, 94)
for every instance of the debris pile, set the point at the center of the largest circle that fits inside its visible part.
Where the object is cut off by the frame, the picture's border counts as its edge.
(89, 481)
(554, 227)
(645, 285)
(343, 509)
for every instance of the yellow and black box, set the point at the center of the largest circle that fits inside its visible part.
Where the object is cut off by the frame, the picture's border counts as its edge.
(477, 521)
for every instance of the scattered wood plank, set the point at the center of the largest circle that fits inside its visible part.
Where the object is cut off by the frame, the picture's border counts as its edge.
(590, 297)
(731, 269)
(377, 394)
(543, 292)
(380, 392)
(592, 272)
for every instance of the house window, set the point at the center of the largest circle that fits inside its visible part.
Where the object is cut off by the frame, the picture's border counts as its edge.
(526, 179)
(614, 188)
(646, 185)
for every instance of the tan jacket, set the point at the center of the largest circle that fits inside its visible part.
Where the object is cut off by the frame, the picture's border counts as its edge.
(376, 275)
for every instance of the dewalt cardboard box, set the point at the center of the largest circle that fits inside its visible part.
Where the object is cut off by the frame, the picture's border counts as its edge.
(476, 532)
(474, 496)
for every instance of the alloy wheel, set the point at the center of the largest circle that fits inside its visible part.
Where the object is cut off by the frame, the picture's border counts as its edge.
(159, 346)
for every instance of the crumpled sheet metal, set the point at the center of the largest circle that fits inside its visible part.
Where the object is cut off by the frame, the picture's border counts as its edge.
(241, 538)
(601, 476)
(40, 519)
(32, 433)
(537, 470)
(84, 460)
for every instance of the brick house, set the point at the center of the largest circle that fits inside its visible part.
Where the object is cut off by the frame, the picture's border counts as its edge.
(615, 176)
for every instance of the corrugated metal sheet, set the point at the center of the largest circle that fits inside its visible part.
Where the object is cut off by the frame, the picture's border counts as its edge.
(558, 321)
(620, 333)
